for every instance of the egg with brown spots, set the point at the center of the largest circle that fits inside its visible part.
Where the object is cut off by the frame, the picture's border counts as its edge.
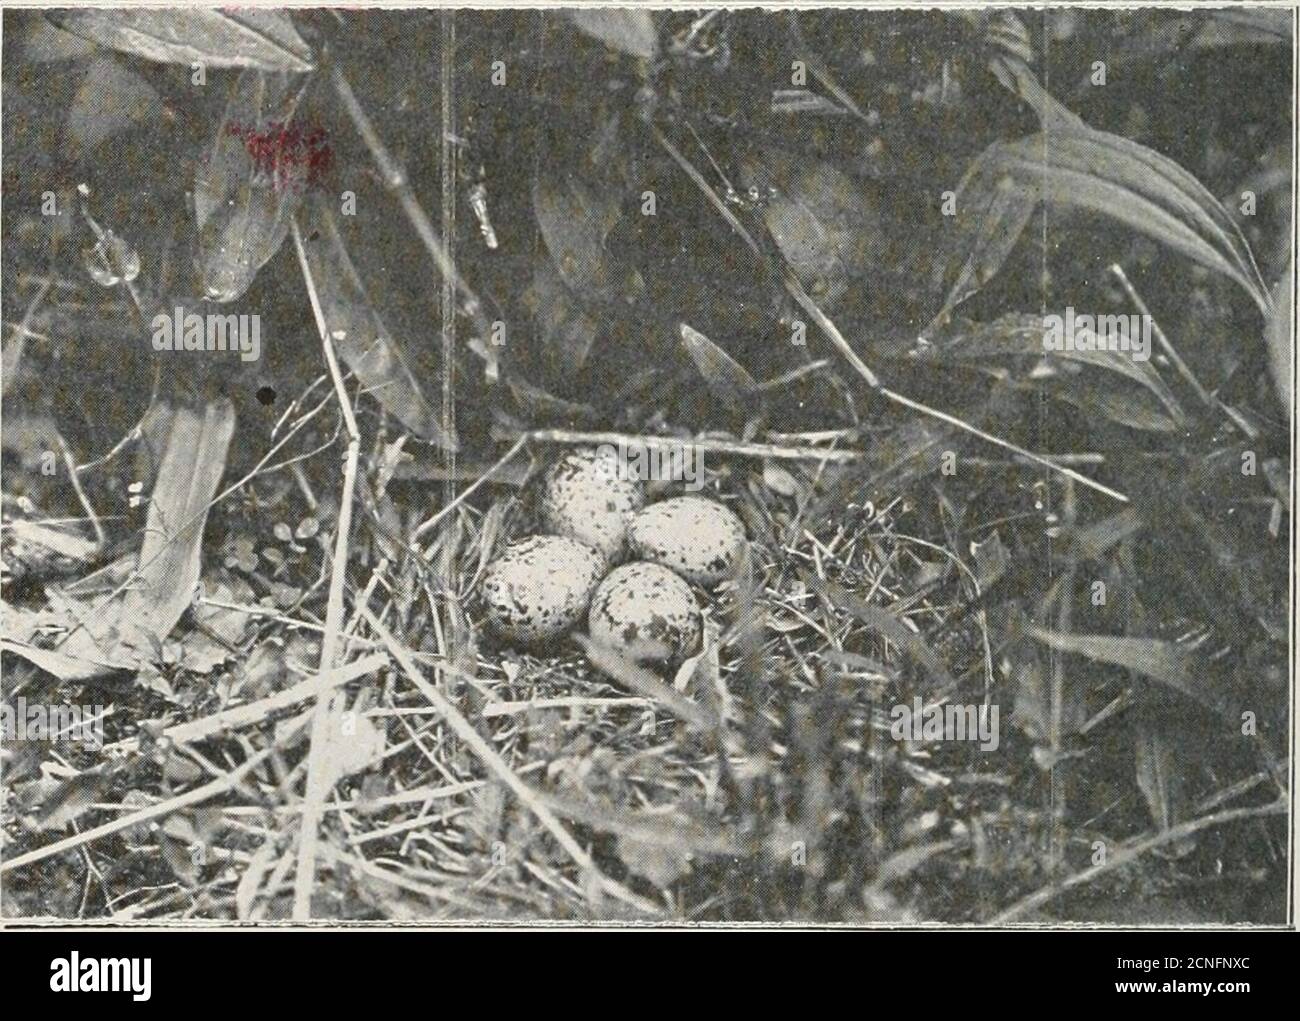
(538, 588)
(699, 538)
(590, 495)
(645, 612)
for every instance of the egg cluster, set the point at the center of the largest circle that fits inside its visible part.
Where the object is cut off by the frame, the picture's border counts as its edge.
(597, 518)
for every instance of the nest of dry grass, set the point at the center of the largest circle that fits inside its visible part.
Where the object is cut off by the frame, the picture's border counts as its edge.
(759, 781)
(458, 778)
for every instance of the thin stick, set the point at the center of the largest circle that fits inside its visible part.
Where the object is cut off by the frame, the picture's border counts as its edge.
(320, 757)
(401, 882)
(788, 278)
(647, 684)
(101, 540)
(733, 447)
(13, 353)
(256, 712)
(564, 702)
(779, 452)
(492, 759)
(428, 526)
(132, 434)
(194, 797)
(786, 378)
(952, 420)
(1206, 397)
(447, 65)
(988, 462)
(1230, 413)
(395, 180)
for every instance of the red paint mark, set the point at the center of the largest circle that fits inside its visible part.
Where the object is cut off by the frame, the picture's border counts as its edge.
(292, 157)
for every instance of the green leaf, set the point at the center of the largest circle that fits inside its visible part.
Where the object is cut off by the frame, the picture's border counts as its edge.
(1162, 661)
(1076, 167)
(824, 223)
(242, 208)
(265, 40)
(725, 376)
(1281, 349)
(1022, 335)
(629, 31)
(193, 462)
(109, 100)
(360, 336)
(575, 219)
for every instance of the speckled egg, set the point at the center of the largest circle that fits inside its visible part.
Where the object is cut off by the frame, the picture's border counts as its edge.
(646, 612)
(700, 539)
(538, 588)
(588, 495)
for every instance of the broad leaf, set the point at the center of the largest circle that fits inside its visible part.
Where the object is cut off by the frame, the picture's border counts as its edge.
(566, 329)
(359, 334)
(1162, 661)
(1094, 541)
(232, 37)
(822, 220)
(725, 376)
(630, 31)
(539, 405)
(1022, 335)
(37, 40)
(575, 219)
(217, 630)
(109, 100)
(1121, 404)
(61, 665)
(1014, 73)
(1204, 30)
(1076, 167)
(53, 804)
(252, 181)
(193, 462)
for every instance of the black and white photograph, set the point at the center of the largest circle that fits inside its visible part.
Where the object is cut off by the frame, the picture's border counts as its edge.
(647, 467)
